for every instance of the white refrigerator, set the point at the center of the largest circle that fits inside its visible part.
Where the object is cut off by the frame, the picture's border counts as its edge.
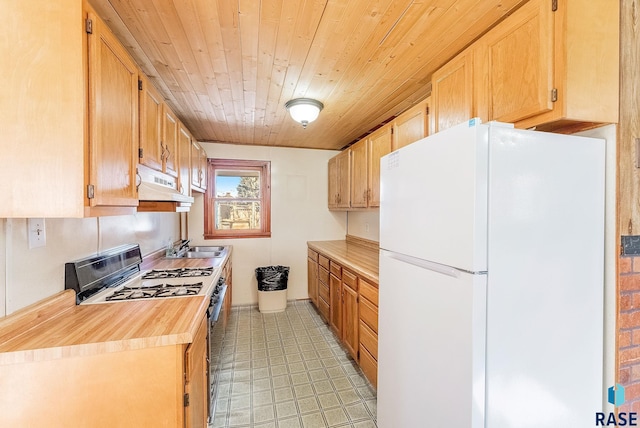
(491, 280)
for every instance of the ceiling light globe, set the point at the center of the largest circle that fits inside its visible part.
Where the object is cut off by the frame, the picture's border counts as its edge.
(304, 110)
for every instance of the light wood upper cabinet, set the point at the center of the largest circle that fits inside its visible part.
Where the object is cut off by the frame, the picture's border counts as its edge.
(340, 180)
(411, 125)
(359, 171)
(169, 141)
(150, 125)
(379, 144)
(556, 70)
(113, 120)
(452, 93)
(516, 63)
(363, 182)
(332, 167)
(198, 167)
(184, 160)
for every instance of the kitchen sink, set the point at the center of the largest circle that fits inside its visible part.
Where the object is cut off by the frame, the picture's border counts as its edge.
(205, 248)
(203, 254)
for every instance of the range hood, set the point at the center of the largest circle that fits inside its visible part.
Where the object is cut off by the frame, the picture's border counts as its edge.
(157, 193)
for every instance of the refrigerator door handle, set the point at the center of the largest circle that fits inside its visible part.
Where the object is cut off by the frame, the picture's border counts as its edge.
(425, 264)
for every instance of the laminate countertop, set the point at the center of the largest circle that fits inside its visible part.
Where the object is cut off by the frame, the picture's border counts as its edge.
(361, 259)
(58, 328)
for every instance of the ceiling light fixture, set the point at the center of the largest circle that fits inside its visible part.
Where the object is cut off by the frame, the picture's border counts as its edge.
(304, 110)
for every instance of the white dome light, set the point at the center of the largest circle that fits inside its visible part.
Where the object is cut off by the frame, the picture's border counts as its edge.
(304, 110)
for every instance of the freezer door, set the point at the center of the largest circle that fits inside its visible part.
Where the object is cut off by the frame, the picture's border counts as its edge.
(434, 198)
(431, 345)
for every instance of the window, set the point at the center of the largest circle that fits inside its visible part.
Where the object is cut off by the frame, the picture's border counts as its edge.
(238, 199)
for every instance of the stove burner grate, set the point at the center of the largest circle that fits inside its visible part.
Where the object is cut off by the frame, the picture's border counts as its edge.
(155, 291)
(177, 273)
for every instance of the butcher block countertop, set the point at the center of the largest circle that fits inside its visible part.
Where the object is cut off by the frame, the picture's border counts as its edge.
(58, 328)
(356, 254)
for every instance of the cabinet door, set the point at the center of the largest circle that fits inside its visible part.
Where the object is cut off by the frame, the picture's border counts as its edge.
(196, 166)
(170, 141)
(312, 280)
(452, 93)
(411, 125)
(344, 179)
(333, 183)
(517, 62)
(196, 379)
(379, 145)
(204, 165)
(359, 170)
(184, 160)
(150, 125)
(335, 306)
(227, 273)
(113, 120)
(350, 324)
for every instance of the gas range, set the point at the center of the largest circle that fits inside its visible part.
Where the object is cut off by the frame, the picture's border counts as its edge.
(114, 276)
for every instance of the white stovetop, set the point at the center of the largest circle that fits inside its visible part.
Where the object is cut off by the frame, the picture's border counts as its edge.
(208, 283)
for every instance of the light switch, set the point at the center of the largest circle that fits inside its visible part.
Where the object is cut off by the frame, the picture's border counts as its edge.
(36, 232)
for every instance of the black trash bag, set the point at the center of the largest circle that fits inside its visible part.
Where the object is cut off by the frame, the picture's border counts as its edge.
(272, 278)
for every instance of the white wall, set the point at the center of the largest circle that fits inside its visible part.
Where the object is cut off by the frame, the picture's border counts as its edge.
(364, 224)
(28, 275)
(298, 214)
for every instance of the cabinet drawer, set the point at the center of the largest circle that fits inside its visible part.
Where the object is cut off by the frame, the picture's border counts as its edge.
(324, 262)
(369, 339)
(369, 314)
(368, 291)
(323, 291)
(323, 275)
(323, 307)
(336, 269)
(350, 279)
(369, 366)
(312, 254)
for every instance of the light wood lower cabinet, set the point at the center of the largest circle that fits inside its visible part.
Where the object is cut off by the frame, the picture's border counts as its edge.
(335, 294)
(349, 304)
(350, 313)
(368, 330)
(324, 293)
(196, 380)
(312, 276)
(144, 387)
(227, 273)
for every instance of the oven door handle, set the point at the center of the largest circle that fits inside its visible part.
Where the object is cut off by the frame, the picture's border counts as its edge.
(218, 306)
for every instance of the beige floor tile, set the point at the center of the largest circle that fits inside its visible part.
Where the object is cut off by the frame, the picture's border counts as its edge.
(336, 417)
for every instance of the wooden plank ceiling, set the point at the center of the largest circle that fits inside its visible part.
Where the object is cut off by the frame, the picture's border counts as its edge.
(227, 67)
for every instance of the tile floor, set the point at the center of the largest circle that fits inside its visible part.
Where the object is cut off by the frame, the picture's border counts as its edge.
(287, 370)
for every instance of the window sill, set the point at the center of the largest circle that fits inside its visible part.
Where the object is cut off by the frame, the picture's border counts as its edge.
(225, 235)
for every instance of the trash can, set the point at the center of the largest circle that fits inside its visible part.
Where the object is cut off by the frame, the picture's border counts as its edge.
(272, 288)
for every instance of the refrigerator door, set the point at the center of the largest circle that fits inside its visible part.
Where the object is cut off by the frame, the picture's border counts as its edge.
(431, 345)
(545, 290)
(434, 198)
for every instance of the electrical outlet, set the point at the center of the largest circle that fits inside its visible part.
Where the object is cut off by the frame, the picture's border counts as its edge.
(36, 232)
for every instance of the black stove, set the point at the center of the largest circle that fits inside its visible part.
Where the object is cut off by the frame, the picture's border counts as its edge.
(155, 291)
(178, 273)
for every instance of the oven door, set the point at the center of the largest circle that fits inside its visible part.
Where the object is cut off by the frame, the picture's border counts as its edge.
(216, 313)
